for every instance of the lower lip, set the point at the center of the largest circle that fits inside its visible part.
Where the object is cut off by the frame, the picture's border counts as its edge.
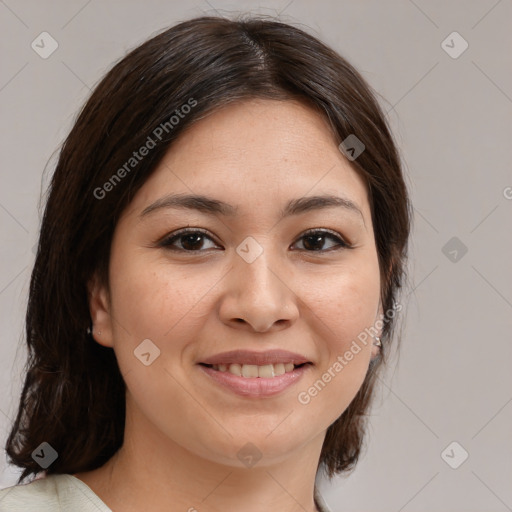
(256, 387)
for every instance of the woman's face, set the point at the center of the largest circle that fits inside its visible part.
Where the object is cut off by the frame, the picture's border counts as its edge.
(247, 277)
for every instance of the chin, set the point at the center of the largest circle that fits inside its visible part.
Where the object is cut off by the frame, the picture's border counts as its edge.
(249, 447)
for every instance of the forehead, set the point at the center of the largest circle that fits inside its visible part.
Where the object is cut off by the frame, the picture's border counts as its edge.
(255, 152)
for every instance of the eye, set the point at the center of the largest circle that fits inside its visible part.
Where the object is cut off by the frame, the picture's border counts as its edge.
(313, 239)
(190, 240)
(193, 240)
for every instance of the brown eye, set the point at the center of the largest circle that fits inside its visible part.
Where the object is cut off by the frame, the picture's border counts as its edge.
(193, 240)
(314, 240)
(190, 240)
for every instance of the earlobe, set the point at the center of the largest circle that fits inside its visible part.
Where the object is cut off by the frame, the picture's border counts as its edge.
(99, 307)
(377, 342)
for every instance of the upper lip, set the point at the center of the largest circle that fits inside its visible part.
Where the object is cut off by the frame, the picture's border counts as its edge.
(256, 358)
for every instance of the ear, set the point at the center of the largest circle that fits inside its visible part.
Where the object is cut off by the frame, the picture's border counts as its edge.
(375, 352)
(375, 349)
(99, 307)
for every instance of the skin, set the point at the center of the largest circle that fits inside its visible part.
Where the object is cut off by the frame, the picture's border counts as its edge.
(183, 431)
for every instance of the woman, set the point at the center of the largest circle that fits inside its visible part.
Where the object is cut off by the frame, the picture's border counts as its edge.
(215, 285)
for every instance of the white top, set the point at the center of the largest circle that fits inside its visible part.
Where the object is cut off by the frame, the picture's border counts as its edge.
(53, 493)
(66, 493)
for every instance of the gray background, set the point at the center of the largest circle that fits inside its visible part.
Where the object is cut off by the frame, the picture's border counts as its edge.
(452, 121)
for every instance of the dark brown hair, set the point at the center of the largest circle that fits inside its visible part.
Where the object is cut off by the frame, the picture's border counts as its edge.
(73, 395)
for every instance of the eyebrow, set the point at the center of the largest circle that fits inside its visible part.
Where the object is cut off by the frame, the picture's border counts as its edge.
(211, 206)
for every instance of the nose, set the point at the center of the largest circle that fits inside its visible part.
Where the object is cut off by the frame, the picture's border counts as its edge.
(258, 296)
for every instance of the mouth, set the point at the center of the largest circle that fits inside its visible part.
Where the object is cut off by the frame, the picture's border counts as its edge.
(255, 374)
(252, 371)
(253, 381)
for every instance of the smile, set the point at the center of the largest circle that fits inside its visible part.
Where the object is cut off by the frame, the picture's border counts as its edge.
(253, 381)
(267, 371)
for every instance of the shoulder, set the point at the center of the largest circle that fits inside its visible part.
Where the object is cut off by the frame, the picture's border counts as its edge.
(53, 493)
(320, 503)
(40, 493)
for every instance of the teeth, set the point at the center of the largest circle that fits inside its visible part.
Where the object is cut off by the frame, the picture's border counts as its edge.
(235, 369)
(279, 369)
(267, 371)
(249, 370)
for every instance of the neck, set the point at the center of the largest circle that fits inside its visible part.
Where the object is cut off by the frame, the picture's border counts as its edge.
(151, 472)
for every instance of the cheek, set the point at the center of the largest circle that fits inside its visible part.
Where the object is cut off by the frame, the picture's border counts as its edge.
(352, 314)
(346, 303)
(158, 301)
(154, 301)
(343, 316)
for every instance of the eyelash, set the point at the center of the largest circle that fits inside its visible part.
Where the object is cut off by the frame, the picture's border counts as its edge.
(168, 240)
